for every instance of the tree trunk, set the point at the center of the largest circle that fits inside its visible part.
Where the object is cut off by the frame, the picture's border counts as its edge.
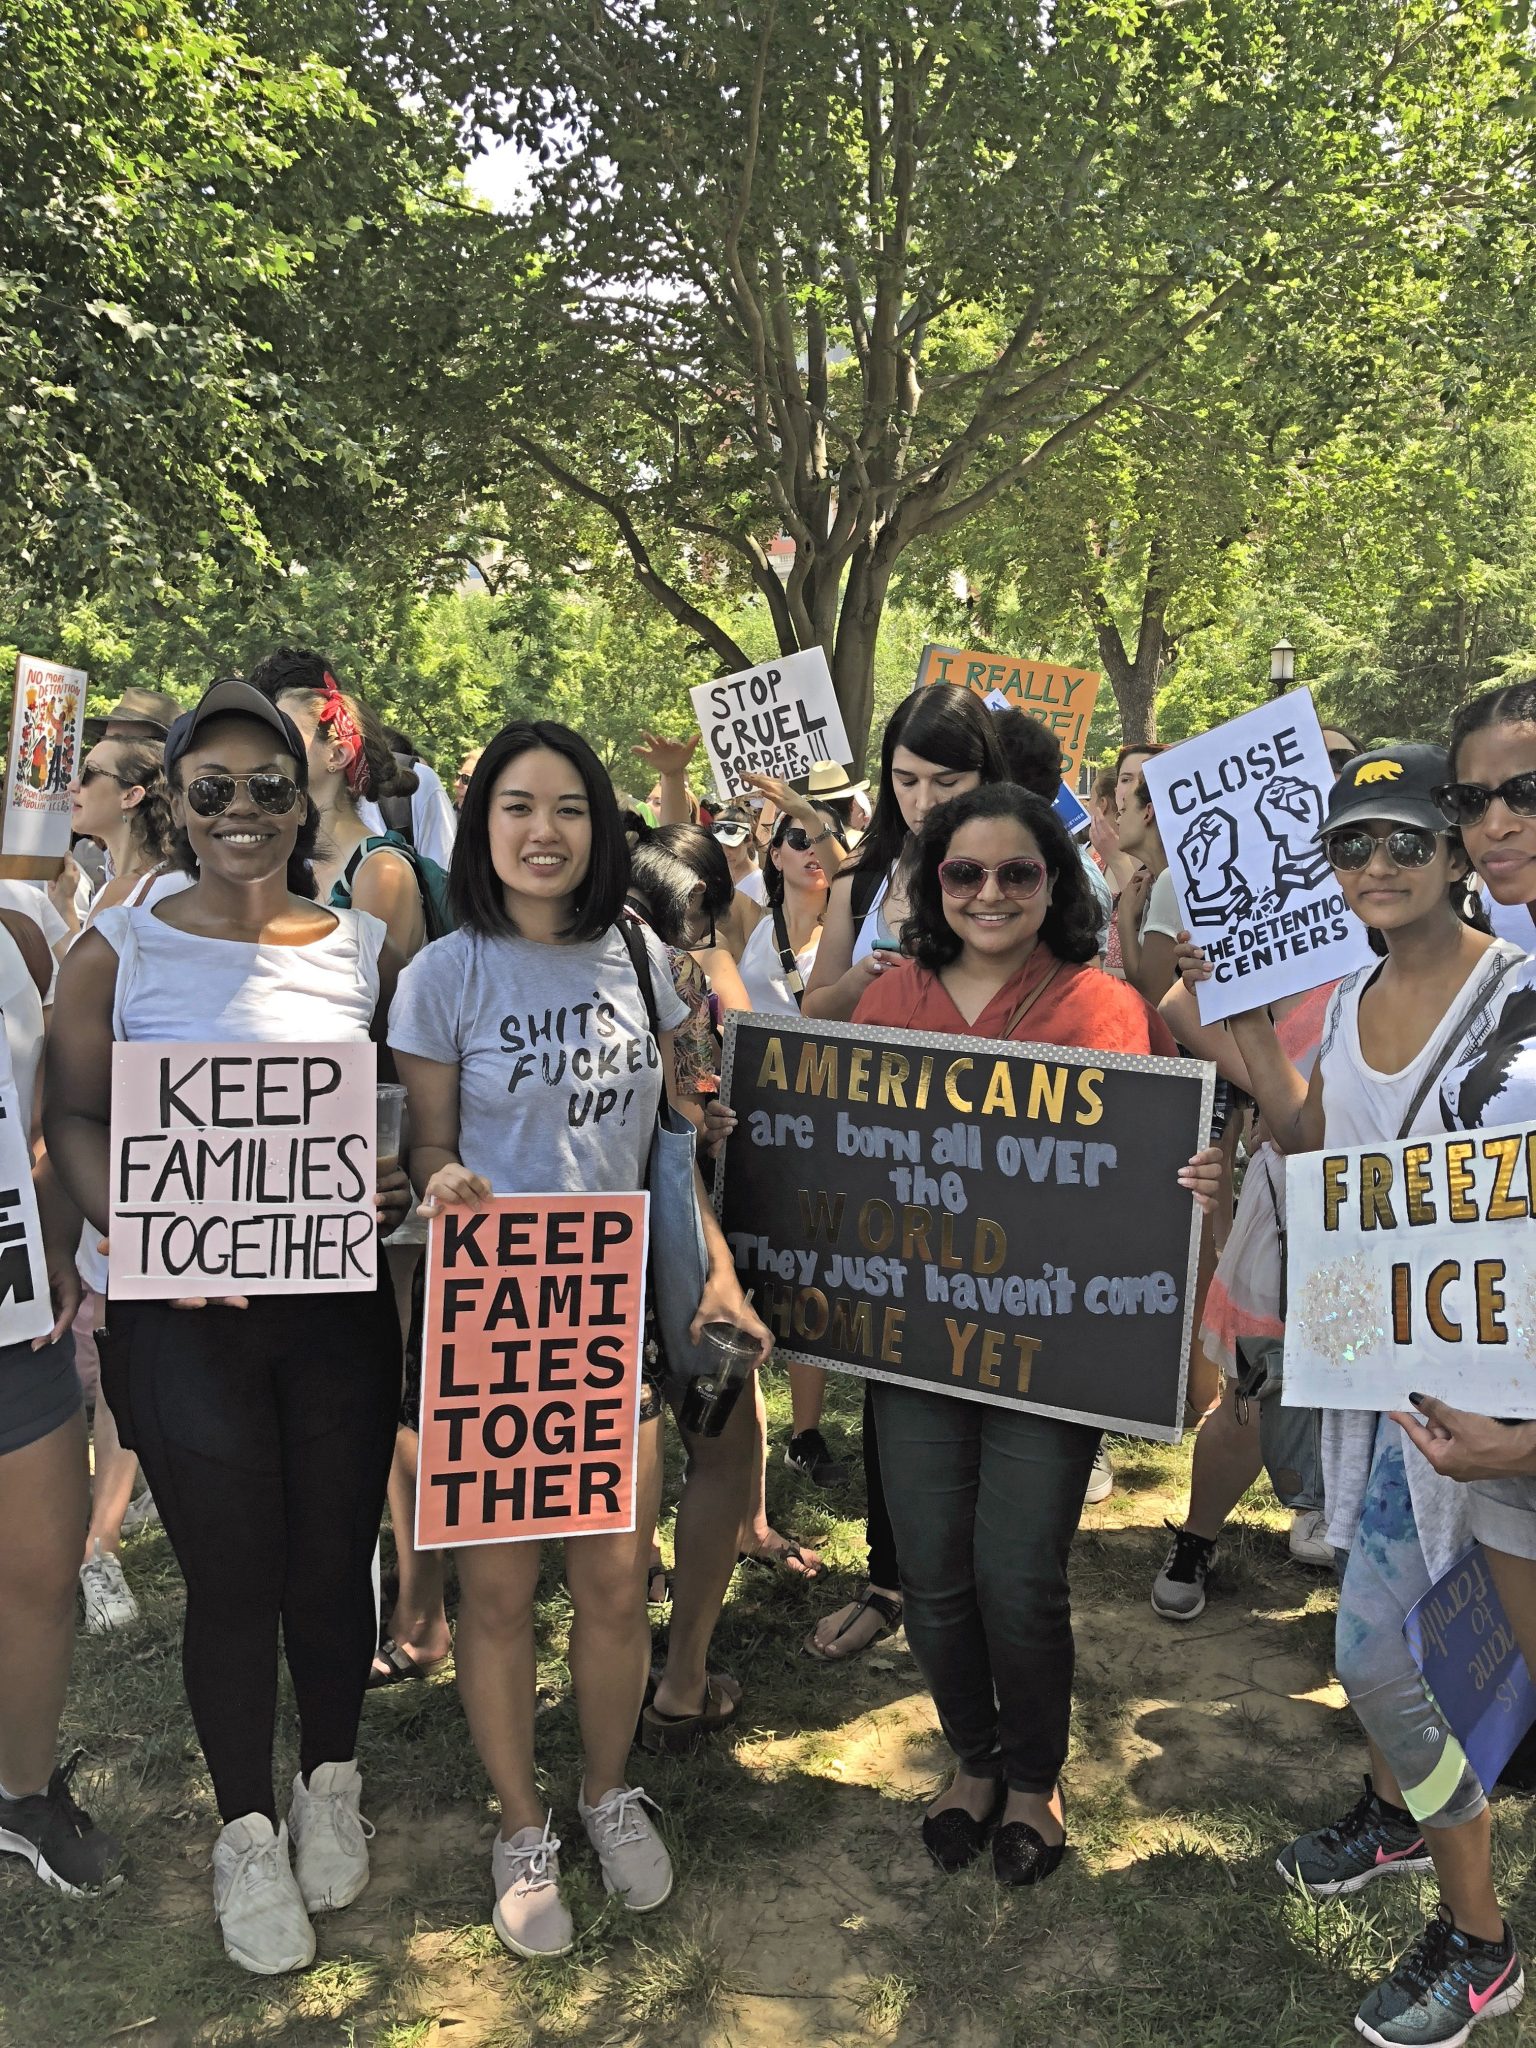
(853, 654)
(1134, 683)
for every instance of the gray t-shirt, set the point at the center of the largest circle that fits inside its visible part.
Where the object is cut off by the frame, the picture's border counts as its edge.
(559, 1077)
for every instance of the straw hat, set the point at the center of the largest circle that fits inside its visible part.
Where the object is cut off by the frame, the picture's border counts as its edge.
(828, 783)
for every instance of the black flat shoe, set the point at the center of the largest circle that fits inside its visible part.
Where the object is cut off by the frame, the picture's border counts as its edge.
(1022, 1856)
(953, 1839)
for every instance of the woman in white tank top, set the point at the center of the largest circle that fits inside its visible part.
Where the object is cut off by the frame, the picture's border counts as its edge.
(265, 1428)
(1389, 1033)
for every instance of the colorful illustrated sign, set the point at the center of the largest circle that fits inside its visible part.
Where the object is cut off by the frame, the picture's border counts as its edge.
(999, 1221)
(46, 718)
(1413, 1269)
(1061, 698)
(530, 1383)
(1461, 1640)
(25, 1311)
(779, 719)
(242, 1169)
(1238, 811)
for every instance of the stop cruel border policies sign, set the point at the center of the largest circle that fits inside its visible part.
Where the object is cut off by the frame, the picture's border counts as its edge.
(998, 1221)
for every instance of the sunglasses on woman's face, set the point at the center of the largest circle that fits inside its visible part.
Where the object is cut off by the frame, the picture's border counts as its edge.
(210, 795)
(797, 839)
(1018, 879)
(1408, 846)
(1466, 803)
(93, 772)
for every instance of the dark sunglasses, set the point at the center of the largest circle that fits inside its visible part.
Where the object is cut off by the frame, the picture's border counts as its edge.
(798, 840)
(91, 773)
(210, 795)
(1465, 803)
(1339, 758)
(1408, 846)
(1020, 878)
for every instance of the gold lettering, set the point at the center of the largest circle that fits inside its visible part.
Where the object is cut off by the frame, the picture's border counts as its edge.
(952, 1083)
(1334, 1193)
(812, 1304)
(914, 1234)
(858, 1073)
(989, 1359)
(1048, 1092)
(891, 1332)
(1417, 1184)
(1026, 1347)
(959, 1344)
(924, 1079)
(1489, 1277)
(1445, 1273)
(876, 1213)
(999, 1095)
(1089, 1081)
(991, 1245)
(894, 1069)
(1504, 1206)
(851, 1331)
(1376, 1192)
(817, 1072)
(1457, 1153)
(772, 1073)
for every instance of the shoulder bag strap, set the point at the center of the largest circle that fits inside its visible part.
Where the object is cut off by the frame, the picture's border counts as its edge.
(794, 979)
(1452, 1042)
(1023, 1009)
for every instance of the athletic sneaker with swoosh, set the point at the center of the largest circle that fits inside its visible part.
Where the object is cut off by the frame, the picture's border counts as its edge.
(1372, 1840)
(1442, 1988)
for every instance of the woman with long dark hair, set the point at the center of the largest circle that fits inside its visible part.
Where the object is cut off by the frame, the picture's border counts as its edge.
(1002, 937)
(541, 870)
(264, 1426)
(1391, 1033)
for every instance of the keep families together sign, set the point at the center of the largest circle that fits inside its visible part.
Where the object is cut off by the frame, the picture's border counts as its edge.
(533, 1324)
(242, 1169)
(998, 1221)
(1239, 811)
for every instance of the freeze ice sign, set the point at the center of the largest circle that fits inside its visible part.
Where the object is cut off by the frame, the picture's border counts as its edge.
(1239, 810)
(779, 719)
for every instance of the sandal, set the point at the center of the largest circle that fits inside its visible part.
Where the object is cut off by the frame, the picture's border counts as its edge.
(394, 1666)
(675, 1734)
(791, 1555)
(869, 1601)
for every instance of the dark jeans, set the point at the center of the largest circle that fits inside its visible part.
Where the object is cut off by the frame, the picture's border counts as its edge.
(884, 1570)
(266, 1435)
(984, 1501)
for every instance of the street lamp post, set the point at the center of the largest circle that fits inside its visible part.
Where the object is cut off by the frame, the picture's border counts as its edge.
(1282, 667)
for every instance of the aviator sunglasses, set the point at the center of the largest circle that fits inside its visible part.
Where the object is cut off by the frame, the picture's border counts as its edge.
(1408, 846)
(1018, 879)
(209, 795)
(1465, 803)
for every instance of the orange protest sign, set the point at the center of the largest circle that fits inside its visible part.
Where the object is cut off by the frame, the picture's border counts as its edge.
(1062, 698)
(530, 1381)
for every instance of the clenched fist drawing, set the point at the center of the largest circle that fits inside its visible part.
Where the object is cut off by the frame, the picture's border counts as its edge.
(1291, 811)
(1215, 891)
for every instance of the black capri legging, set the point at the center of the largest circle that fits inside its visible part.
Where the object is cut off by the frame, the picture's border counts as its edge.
(265, 1434)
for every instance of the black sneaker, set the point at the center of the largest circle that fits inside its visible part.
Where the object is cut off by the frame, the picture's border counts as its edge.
(1445, 1984)
(59, 1839)
(1178, 1591)
(808, 1453)
(1372, 1840)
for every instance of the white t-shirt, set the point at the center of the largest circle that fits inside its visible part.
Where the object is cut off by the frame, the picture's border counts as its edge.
(752, 887)
(33, 901)
(762, 971)
(559, 1076)
(434, 821)
(1162, 910)
(1495, 1081)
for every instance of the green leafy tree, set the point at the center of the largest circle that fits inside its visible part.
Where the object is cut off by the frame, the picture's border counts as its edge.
(855, 274)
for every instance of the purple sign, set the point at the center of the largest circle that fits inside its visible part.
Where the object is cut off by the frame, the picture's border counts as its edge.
(1461, 1640)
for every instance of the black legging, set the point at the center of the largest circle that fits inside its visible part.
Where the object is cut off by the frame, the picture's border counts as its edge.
(884, 1569)
(265, 1434)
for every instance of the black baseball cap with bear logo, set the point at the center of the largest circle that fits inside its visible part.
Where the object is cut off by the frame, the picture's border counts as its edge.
(1395, 785)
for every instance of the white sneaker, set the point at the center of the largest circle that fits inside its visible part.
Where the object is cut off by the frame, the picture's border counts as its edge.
(1101, 1480)
(140, 1512)
(256, 1900)
(1309, 1539)
(330, 1836)
(636, 1867)
(530, 1916)
(108, 1602)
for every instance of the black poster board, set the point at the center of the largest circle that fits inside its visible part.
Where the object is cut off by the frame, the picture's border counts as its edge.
(999, 1221)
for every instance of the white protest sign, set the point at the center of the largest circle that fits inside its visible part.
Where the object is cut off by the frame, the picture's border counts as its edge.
(25, 1312)
(1411, 1269)
(46, 716)
(779, 719)
(1238, 811)
(242, 1169)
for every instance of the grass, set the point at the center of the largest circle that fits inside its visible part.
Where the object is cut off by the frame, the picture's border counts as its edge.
(805, 1912)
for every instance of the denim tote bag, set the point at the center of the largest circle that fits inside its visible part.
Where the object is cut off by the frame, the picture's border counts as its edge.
(679, 1262)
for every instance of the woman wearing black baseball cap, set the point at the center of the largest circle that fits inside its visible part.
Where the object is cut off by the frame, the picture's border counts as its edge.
(264, 1426)
(1391, 1033)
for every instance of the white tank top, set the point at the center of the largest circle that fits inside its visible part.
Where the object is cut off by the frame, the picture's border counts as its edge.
(1361, 1105)
(874, 931)
(181, 986)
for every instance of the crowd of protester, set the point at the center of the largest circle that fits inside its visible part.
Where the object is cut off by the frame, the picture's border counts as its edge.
(273, 864)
